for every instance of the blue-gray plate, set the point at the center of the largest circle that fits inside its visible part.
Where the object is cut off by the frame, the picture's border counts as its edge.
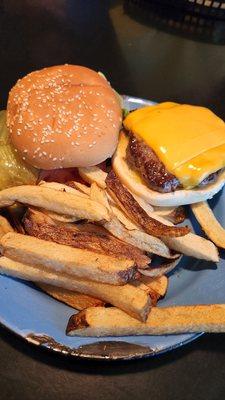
(41, 320)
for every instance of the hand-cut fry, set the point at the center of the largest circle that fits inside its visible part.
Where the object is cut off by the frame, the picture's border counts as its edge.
(63, 188)
(99, 195)
(155, 289)
(146, 206)
(93, 174)
(38, 225)
(209, 223)
(190, 244)
(71, 298)
(80, 186)
(159, 284)
(5, 226)
(138, 238)
(100, 321)
(62, 203)
(132, 208)
(176, 215)
(119, 214)
(66, 259)
(194, 246)
(132, 300)
(162, 269)
(66, 219)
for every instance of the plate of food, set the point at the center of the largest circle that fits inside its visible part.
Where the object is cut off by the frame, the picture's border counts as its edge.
(111, 218)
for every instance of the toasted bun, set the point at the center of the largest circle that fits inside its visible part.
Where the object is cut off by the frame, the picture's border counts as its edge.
(63, 116)
(137, 186)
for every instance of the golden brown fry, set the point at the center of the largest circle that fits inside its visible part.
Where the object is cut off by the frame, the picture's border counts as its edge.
(176, 215)
(5, 226)
(159, 284)
(38, 225)
(209, 223)
(61, 187)
(132, 208)
(71, 298)
(62, 203)
(190, 244)
(162, 269)
(65, 259)
(138, 238)
(80, 186)
(93, 174)
(100, 321)
(99, 195)
(132, 300)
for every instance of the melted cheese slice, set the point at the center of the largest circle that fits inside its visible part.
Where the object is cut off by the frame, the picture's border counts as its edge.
(189, 140)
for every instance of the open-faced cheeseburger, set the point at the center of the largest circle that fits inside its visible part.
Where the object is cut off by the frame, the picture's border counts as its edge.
(61, 117)
(172, 154)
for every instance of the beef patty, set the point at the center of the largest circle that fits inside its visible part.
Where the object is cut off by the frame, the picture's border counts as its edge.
(143, 159)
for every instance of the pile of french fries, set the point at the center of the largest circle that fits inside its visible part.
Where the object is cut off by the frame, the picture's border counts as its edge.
(116, 290)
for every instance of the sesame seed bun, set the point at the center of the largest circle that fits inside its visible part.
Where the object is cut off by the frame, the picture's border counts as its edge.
(63, 116)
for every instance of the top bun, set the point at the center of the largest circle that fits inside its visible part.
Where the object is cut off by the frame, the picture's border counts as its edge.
(63, 116)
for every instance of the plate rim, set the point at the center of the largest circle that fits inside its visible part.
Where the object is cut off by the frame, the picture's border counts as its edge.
(75, 354)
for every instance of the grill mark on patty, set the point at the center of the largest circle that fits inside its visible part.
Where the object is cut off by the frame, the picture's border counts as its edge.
(143, 159)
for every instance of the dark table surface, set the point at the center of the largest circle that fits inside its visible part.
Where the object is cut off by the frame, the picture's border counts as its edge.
(150, 53)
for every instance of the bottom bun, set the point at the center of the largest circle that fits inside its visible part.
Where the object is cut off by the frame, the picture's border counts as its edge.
(180, 197)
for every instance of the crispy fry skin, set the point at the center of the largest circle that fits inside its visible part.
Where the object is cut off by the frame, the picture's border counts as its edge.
(60, 202)
(159, 284)
(100, 321)
(37, 225)
(176, 215)
(190, 244)
(129, 298)
(71, 298)
(209, 223)
(93, 174)
(81, 263)
(138, 214)
(162, 269)
(138, 238)
(5, 226)
(80, 186)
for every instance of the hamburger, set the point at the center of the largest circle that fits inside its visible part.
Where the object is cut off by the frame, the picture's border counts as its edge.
(61, 117)
(172, 154)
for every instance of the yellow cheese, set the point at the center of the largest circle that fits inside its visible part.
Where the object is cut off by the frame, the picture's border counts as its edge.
(189, 140)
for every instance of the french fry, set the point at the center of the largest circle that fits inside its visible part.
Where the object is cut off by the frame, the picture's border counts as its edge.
(62, 203)
(138, 238)
(128, 224)
(63, 188)
(133, 300)
(82, 236)
(176, 215)
(209, 223)
(93, 174)
(80, 186)
(162, 269)
(190, 244)
(136, 213)
(159, 284)
(61, 258)
(100, 321)
(5, 226)
(73, 299)
(98, 194)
